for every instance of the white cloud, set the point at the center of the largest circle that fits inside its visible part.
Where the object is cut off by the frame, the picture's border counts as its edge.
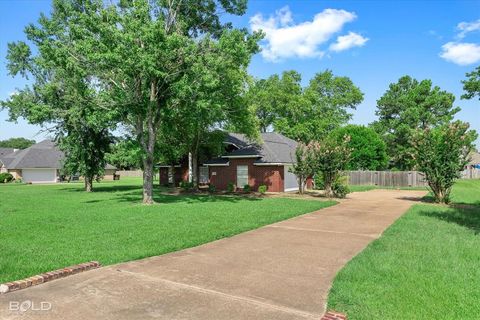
(461, 53)
(285, 39)
(466, 27)
(348, 41)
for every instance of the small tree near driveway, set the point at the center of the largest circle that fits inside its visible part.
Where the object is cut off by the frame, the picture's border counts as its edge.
(442, 153)
(303, 168)
(330, 157)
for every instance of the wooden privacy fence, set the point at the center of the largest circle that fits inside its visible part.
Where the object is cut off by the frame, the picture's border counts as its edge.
(130, 173)
(387, 178)
(471, 172)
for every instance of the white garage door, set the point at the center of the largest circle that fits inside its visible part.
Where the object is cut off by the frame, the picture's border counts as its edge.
(290, 182)
(39, 175)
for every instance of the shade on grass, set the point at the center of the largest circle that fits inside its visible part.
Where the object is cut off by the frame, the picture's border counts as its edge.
(46, 227)
(425, 266)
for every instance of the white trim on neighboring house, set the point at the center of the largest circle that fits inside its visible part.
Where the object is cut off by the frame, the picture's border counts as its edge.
(162, 166)
(247, 156)
(217, 164)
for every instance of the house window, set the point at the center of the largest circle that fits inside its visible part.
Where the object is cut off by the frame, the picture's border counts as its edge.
(242, 176)
(170, 175)
(203, 175)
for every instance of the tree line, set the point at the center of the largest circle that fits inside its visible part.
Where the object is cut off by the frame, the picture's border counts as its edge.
(171, 77)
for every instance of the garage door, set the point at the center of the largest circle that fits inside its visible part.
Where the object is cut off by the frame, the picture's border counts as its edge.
(291, 182)
(39, 175)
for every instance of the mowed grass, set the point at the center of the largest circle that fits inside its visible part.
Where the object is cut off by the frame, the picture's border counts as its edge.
(425, 266)
(46, 227)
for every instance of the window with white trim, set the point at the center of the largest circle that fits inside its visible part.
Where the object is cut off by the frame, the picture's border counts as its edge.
(242, 176)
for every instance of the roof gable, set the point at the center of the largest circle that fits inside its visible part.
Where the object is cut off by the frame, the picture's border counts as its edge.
(274, 148)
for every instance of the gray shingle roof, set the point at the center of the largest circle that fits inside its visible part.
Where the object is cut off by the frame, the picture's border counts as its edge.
(5, 151)
(274, 148)
(5, 155)
(44, 154)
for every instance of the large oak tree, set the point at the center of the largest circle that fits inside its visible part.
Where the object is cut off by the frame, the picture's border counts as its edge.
(143, 57)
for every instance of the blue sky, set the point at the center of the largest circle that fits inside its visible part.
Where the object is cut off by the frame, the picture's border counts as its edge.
(372, 42)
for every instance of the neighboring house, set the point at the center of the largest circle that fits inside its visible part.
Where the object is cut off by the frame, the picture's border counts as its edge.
(474, 160)
(245, 163)
(4, 152)
(40, 163)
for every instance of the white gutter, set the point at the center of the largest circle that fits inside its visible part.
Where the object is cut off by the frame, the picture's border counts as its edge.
(271, 164)
(217, 164)
(239, 157)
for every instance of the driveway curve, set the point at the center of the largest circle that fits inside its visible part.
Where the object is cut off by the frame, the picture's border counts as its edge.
(280, 271)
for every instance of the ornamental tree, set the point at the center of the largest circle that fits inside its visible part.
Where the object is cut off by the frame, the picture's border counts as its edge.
(330, 157)
(442, 153)
(303, 166)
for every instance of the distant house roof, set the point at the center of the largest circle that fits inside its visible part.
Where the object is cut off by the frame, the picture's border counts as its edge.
(44, 154)
(5, 151)
(274, 148)
(474, 158)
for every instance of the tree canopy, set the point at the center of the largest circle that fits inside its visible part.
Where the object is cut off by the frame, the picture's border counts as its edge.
(407, 106)
(308, 113)
(472, 84)
(135, 61)
(368, 150)
(16, 143)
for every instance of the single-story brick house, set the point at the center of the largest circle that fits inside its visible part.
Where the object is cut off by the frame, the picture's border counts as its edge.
(246, 162)
(40, 163)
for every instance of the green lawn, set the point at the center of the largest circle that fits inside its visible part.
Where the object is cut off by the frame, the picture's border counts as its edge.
(46, 227)
(425, 266)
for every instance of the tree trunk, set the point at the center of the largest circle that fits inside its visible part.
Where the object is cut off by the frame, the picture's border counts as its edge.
(148, 162)
(149, 144)
(88, 184)
(301, 185)
(195, 169)
(173, 176)
(327, 182)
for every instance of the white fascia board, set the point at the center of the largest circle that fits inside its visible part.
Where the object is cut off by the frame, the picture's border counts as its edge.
(217, 164)
(246, 156)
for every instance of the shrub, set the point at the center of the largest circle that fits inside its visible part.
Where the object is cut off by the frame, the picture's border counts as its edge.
(187, 186)
(318, 180)
(231, 187)
(262, 188)
(211, 188)
(340, 187)
(5, 177)
(247, 188)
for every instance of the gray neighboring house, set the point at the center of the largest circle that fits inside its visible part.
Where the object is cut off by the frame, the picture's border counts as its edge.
(40, 163)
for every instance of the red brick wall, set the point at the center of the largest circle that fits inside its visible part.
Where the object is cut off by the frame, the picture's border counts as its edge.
(181, 174)
(271, 176)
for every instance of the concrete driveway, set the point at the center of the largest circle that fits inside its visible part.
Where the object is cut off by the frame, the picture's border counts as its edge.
(281, 271)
